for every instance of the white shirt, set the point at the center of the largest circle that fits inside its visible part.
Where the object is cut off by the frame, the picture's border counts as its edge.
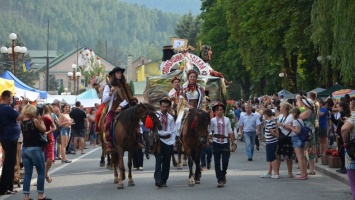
(287, 121)
(170, 129)
(227, 129)
(106, 97)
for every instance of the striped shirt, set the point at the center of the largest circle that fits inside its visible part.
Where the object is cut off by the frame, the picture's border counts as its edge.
(270, 124)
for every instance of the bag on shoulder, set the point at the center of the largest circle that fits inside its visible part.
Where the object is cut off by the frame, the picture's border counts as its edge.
(43, 139)
(306, 133)
(350, 149)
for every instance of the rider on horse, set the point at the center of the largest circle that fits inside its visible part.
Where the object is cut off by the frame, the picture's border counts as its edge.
(117, 97)
(193, 93)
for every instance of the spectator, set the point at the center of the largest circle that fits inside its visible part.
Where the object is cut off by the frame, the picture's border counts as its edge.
(49, 149)
(9, 134)
(92, 133)
(250, 126)
(65, 123)
(79, 126)
(298, 144)
(271, 135)
(32, 152)
(323, 118)
(56, 134)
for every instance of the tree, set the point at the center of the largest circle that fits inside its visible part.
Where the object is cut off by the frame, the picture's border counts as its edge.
(53, 84)
(101, 48)
(188, 27)
(61, 90)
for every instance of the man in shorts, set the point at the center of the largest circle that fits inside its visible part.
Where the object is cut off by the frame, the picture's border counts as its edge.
(79, 127)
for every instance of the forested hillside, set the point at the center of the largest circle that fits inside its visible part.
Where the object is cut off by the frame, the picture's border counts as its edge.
(128, 28)
(176, 6)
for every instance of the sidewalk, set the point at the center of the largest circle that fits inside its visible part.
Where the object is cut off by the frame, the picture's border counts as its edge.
(331, 172)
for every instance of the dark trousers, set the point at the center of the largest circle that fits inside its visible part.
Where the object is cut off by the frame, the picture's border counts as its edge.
(146, 142)
(162, 163)
(341, 152)
(221, 157)
(206, 152)
(137, 157)
(8, 169)
(257, 141)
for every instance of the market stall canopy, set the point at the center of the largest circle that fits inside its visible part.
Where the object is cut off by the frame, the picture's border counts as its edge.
(88, 98)
(329, 91)
(19, 84)
(21, 93)
(286, 94)
(316, 90)
(340, 93)
(7, 85)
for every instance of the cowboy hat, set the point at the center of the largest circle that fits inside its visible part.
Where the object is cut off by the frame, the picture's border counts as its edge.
(116, 69)
(218, 104)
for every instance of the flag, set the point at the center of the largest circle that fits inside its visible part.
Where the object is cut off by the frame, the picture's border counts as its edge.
(26, 66)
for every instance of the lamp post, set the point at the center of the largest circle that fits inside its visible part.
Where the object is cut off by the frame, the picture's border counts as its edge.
(13, 52)
(74, 76)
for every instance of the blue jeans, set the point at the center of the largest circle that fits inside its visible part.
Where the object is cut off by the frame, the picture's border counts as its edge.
(249, 139)
(33, 156)
(206, 151)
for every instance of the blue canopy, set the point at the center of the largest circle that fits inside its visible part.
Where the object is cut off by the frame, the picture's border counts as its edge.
(19, 84)
(90, 94)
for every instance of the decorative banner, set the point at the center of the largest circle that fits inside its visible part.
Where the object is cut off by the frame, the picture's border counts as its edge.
(196, 61)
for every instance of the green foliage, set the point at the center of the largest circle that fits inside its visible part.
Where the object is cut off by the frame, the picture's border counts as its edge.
(61, 90)
(230, 114)
(128, 28)
(188, 27)
(132, 87)
(53, 84)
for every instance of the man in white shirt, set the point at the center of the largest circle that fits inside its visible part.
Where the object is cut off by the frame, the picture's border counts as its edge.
(166, 136)
(222, 132)
(175, 92)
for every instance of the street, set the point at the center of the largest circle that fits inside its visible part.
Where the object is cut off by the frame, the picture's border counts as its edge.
(84, 179)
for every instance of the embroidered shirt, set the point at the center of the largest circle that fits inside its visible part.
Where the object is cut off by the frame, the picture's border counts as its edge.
(221, 126)
(168, 128)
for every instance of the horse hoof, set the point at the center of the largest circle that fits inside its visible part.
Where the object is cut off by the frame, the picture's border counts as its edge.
(120, 186)
(179, 166)
(191, 184)
(184, 163)
(197, 181)
(102, 164)
(131, 183)
(115, 180)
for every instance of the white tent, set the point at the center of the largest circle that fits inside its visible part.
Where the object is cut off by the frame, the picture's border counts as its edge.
(69, 99)
(21, 93)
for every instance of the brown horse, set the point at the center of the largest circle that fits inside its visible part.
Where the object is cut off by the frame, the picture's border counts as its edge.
(194, 137)
(102, 138)
(125, 138)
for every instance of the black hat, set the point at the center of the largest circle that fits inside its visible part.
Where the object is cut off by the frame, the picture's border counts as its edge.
(116, 69)
(218, 104)
(165, 100)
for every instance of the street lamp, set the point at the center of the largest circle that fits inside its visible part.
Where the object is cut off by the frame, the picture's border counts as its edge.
(13, 52)
(74, 76)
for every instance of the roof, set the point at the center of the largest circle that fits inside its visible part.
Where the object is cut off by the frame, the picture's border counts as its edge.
(139, 87)
(59, 59)
(42, 53)
(286, 94)
(330, 90)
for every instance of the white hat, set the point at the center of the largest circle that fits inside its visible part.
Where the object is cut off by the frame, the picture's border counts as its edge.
(307, 102)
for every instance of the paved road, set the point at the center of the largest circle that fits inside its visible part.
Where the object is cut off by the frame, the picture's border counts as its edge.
(84, 179)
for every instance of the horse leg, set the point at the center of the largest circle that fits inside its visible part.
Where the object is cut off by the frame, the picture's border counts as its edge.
(173, 160)
(197, 155)
(115, 164)
(191, 175)
(103, 154)
(184, 163)
(130, 180)
(179, 150)
(122, 169)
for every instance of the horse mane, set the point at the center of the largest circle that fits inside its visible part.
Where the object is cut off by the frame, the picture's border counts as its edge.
(202, 121)
(130, 114)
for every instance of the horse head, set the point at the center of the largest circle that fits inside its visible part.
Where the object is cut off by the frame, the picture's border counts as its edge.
(147, 112)
(199, 121)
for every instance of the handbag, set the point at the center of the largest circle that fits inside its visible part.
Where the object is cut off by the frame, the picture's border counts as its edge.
(43, 139)
(282, 137)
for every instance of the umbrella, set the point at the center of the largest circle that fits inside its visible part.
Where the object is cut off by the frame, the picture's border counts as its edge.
(340, 93)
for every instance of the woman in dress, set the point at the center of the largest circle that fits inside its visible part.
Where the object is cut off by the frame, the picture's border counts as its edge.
(49, 149)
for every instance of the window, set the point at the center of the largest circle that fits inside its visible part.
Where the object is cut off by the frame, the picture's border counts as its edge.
(59, 83)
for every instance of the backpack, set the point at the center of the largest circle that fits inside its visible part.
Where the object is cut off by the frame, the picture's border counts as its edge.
(305, 134)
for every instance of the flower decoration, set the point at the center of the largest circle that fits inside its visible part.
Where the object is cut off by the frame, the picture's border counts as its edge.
(334, 153)
(328, 152)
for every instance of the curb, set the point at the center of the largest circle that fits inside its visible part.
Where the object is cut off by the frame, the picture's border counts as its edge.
(334, 175)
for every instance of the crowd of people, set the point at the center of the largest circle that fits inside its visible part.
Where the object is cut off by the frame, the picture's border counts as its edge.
(275, 121)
